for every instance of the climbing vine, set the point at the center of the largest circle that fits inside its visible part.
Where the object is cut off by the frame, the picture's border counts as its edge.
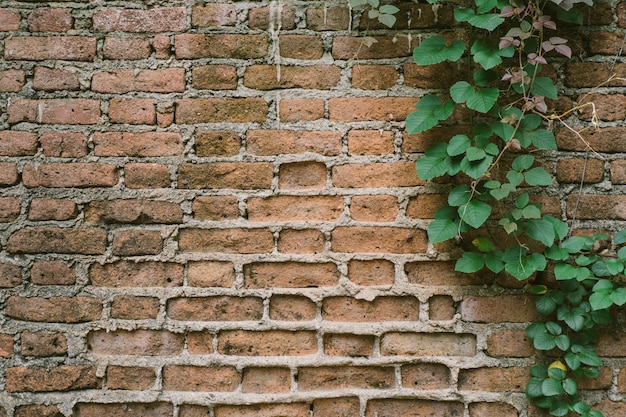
(508, 99)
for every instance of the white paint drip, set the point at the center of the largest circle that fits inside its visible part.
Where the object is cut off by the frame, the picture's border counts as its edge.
(275, 25)
(436, 8)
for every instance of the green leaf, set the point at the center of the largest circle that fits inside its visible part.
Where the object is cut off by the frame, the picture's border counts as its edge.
(387, 19)
(544, 341)
(581, 408)
(482, 21)
(531, 212)
(541, 230)
(523, 162)
(492, 184)
(475, 213)
(600, 300)
(388, 9)
(487, 54)
(441, 230)
(560, 227)
(459, 195)
(476, 169)
(620, 237)
(537, 176)
(622, 253)
(545, 305)
(493, 261)
(619, 296)
(458, 145)
(492, 149)
(434, 50)
(556, 254)
(461, 91)
(601, 269)
(430, 111)
(564, 271)
(483, 100)
(470, 262)
(486, 5)
(504, 130)
(483, 78)
(570, 387)
(475, 154)
(551, 387)
(542, 139)
(572, 15)
(515, 178)
(573, 244)
(543, 86)
(572, 360)
(437, 150)
(522, 200)
(430, 167)
(559, 408)
(533, 387)
(562, 342)
(615, 266)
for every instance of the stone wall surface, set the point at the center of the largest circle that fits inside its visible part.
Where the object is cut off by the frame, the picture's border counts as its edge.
(211, 209)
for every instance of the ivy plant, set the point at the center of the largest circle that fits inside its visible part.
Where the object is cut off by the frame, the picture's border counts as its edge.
(507, 98)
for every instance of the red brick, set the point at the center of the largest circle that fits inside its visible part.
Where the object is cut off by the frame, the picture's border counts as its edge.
(292, 308)
(134, 111)
(136, 274)
(383, 308)
(218, 110)
(264, 17)
(436, 273)
(509, 343)
(271, 77)
(136, 342)
(52, 79)
(611, 344)
(146, 175)
(167, 80)
(597, 206)
(137, 242)
(374, 77)
(610, 408)
(133, 212)
(8, 174)
(570, 170)
(200, 343)
(295, 208)
(210, 274)
(301, 46)
(267, 343)
(263, 410)
(328, 378)
(300, 109)
(71, 111)
(432, 76)
(608, 107)
(426, 376)
(301, 241)
(290, 275)
(621, 380)
(352, 345)
(76, 175)
(618, 172)
(372, 47)
(412, 408)
(50, 20)
(354, 239)
(375, 175)
(52, 273)
(428, 344)
(6, 350)
(606, 139)
(370, 142)
(505, 308)
(589, 74)
(217, 143)
(602, 382)
(275, 142)
(621, 14)
(374, 208)
(213, 14)
(52, 209)
(162, 46)
(126, 48)
(9, 209)
(57, 240)
(158, 19)
(43, 344)
(371, 272)
(441, 307)
(422, 141)
(215, 208)
(361, 109)
(492, 410)
(240, 241)
(42, 48)
(64, 144)
(38, 411)
(233, 46)
(241, 175)
(134, 308)
(266, 380)
(217, 308)
(17, 143)
(60, 378)
(328, 18)
(302, 175)
(153, 409)
(9, 20)
(10, 275)
(424, 206)
(214, 77)
(200, 378)
(496, 379)
(137, 378)
(76, 309)
(607, 43)
(12, 80)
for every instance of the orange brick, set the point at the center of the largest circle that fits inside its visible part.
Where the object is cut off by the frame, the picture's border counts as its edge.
(295, 208)
(266, 380)
(301, 241)
(301, 109)
(210, 274)
(276, 142)
(361, 109)
(329, 378)
(371, 272)
(216, 308)
(374, 208)
(137, 378)
(497, 379)
(428, 344)
(353, 345)
(426, 376)
(292, 308)
(376, 175)
(370, 142)
(267, 343)
(200, 378)
(367, 239)
(290, 275)
(302, 175)
(383, 308)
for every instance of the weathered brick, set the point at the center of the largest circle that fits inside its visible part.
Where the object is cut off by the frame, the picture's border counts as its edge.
(295, 208)
(162, 46)
(267, 343)
(610, 107)
(302, 175)
(492, 410)
(57, 240)
(264, 410)
(292, 308)
(217, 143)
(9, 209)
(214, 77)
(374, 77)
(125, 48)
(153, 409)
(606, 139)
(64, 144)
(52, 273)
(71, 111)
(424, 206)
(42, 48)
(200, 378)
(383, 308)
(146, 175)
(341, 377)
(609, 344)
(217, 308)
(375, 175)
(8, 174)
(137, 378)
(12, 80)
(505, 308)
(300, 109)
(610, 408)
(328, 18)
(621, 380)
(134, 111)
(218, 110)
(428, 344)
(17, 143)
(597, 206)
(129, 307)
(426, 376)
(412, 408)
(10, 275)
(50, 20)
(371, 272)
(136, 274)
(354, 345)
(371, 47)
(421, 141)
(200, 343)
(361, 109)
(416, 16)
(301, 241)
(441, 307)
(267, 77)
(234, 46)
(432, 76)
(374, 208)
(497, 379)
(588, 74)
(215, 208)
(378, 239)
(133, 212)
(137, 242)
(77, 309)
(509, 343)
(213, 14)
(38, 411)
(136, 342)
(9, 20)
(53, 79)
(266, 380)
(370, 142)
(265, 18)
(167, 80)
(301, 46)
(570, 170)
(158, 19)
(60, 378)
(52, 209)
(435, 273)
(210, 274)
(242, 175)
(276, 142)
(240, 241)
(618, 172)
(290, 275)
(43, 344)
(6, 349)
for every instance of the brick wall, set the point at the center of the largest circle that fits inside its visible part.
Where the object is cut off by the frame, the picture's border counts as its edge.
(211, 209)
